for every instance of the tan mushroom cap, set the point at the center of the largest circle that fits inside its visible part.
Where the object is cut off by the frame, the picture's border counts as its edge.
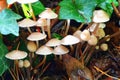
(70, 40)
(44, 50)
(26, 23)
(100, 16)
(48, 14)
(60, 50)
(35, 36)
(85, 35)
(26, 1)
(93, 40)
(31, 46)
(77, 34)
(41, 22)
(102, 25)
(53, 42)
(16, 55)
(104, 46)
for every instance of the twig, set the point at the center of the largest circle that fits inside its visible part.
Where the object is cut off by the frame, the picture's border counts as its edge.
(106, 73)
(12, 74)
(116, 10)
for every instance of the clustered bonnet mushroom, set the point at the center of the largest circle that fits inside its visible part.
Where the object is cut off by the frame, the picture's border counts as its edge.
(48, 14)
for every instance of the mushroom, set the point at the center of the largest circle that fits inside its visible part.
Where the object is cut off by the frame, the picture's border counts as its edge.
(60, 50)
(36, 36)
(70, 40)
(20, 63)
(26, 63)
(100, 33)
(93, 40)
(32, 47)
(100, 16)
(53, 42)
(77, 34)
(42, 22)
(16, 55)
(27, 23)
(104, 46)
(67, 27)
(43, 50)
(85, 35)
(48, 14)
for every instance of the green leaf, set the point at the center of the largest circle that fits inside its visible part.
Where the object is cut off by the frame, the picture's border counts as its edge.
(3, 60)
(38, 7)
(106, 5)
(8, 23)
(86, 8)
(9, 14)
(55, 35)
(8, 27)
(79, 10)
(68, 10)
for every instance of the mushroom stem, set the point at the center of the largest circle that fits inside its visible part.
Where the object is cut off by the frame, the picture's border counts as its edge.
(29, 30)
(43, 61)
(48, 28)
(37, 44)
(42, 27)
(67, 27)
(16, 69)
(80, 26)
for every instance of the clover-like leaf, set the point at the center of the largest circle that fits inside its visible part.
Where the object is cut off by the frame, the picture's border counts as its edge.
(68, 10)
(8, 23)
(86, 8)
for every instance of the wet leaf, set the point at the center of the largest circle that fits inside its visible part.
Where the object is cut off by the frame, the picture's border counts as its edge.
(8, 23)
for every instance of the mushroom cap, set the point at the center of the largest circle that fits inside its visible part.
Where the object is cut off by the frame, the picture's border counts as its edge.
(70, 40)
(26, 63)
(35, 36)
(26, 1)
(102, 25)
(100, 33)
(44, 50)
(48, 14)
(53, 42)
(104, 46)
(26, 23)
(16, 55)
(31, 46)
(41, 22)
(20, 63)
(77, 34)
(60, 50)
(93, 40)
(85, 35)
(100, 16)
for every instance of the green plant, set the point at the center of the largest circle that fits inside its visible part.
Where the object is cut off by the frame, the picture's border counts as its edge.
(78, 10)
